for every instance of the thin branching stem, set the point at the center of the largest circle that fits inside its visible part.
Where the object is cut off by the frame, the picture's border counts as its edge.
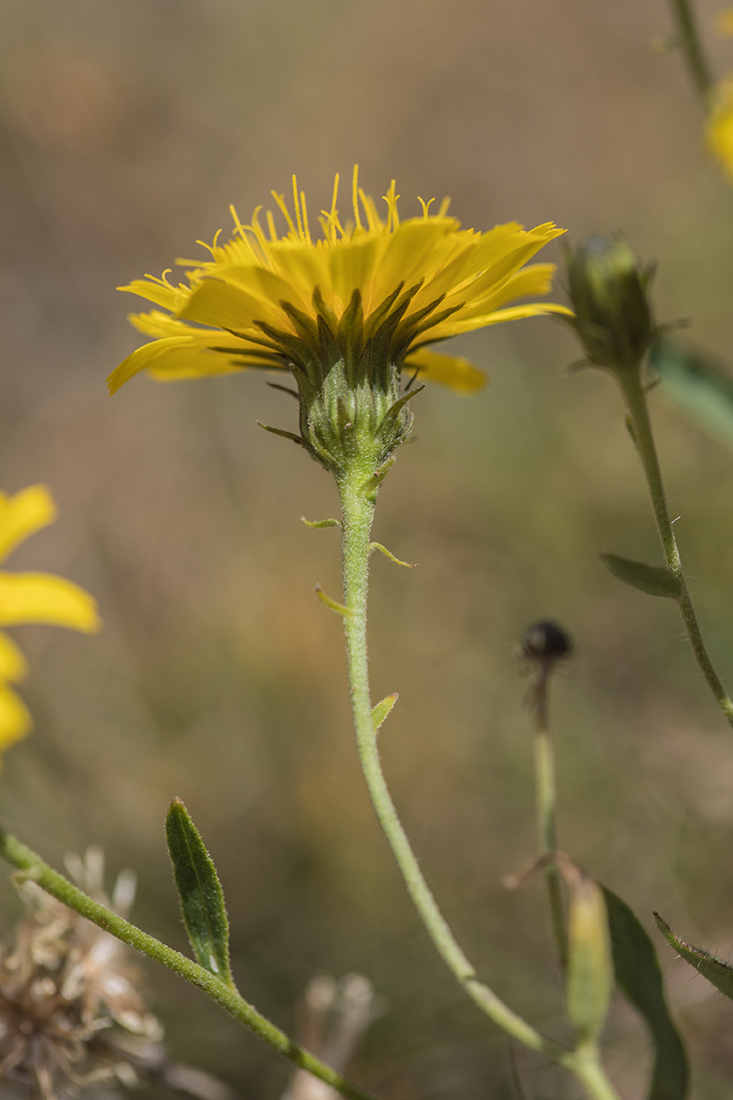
(636, 403)
(34, 868)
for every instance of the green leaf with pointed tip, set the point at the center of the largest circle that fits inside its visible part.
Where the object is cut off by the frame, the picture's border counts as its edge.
(639, 977)
(652, 579)
(715, 970)
(202, 898)
(382, 709)
(696, 386)
(320, 523)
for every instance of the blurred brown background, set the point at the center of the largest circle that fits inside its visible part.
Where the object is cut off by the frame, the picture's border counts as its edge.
(126, 129)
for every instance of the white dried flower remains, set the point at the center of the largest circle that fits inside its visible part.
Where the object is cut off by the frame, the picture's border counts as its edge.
(72, 1011)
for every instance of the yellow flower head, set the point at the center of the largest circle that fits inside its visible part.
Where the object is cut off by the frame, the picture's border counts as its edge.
(368, 296)
(31, 598)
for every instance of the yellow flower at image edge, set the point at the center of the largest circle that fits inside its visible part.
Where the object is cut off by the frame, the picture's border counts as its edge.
(402, 284)
(720, 126)
(31, 598)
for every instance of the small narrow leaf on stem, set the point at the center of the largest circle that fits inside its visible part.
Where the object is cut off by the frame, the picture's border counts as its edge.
(334, 605)
(382, 709)
(388, 554)
(655, 580)
(202, 898)
(320, 523)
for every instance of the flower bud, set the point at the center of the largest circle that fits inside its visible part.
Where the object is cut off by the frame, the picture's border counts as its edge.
(608, 289)
(545, 641)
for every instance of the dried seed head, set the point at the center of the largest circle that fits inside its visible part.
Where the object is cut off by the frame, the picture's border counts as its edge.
(68, 993)
(546, 641)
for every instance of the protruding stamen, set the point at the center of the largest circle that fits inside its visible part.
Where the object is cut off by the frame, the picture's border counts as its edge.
(390, 198)
(332, 215)
(375, 222)
(280, 200)
(296, 204)
(425, 206)
(305, 218)
(238, 227)
(355, 194)
(256, 230)
(210, 247)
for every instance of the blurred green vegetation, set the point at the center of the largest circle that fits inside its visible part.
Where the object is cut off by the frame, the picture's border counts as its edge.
(125, 131)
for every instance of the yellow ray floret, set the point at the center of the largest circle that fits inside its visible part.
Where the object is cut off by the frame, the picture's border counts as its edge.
(261, 291)
(31, 598)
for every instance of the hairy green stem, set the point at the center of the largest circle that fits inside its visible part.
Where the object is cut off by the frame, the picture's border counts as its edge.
(636, 403)
(33, 867)
(358, 513)
(689, 40)
(546, 797)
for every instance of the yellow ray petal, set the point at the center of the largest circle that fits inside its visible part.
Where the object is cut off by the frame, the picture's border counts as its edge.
(23, 514)
(513, 313)
(407, 257)
(525, 283)
(15, 719)
(12, 662)
(197, 363)
(449, 370)
(43, 598)
(226, 306)
(167, 356)
(155, 290)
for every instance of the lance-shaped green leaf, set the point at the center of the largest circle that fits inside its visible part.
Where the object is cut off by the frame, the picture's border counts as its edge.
(639, 976)
(202, 898)
(653, 579)
(696, 386)
(382, 709)
(590, 970)
(715, 970)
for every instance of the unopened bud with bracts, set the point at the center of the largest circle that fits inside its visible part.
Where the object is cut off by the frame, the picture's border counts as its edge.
(609, 292)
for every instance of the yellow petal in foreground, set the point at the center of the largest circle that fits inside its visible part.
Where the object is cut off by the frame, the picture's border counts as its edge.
(15, 721)
(448, 370)
(22, 515)
(13, 664)
(43, 598)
